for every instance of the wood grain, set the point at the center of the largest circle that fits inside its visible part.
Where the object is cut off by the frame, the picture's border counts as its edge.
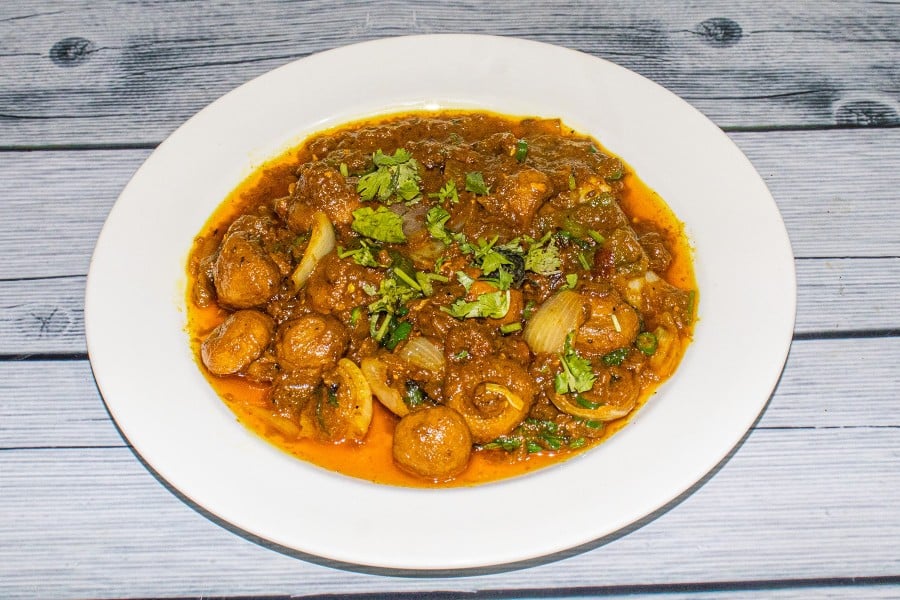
(94, 521)
(129, 73)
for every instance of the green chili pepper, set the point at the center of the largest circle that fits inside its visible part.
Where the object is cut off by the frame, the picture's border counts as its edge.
(646, 342)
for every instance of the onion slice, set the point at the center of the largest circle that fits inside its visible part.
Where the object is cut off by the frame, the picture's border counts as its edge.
(424, 353)
(321, 242)
(375, 372)
(548, 327)
(604, 412)
(360, 397)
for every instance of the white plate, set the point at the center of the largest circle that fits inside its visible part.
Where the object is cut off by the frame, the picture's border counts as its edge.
(142, 362)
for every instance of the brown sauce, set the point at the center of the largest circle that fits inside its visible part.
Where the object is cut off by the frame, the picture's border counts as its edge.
(441, 144)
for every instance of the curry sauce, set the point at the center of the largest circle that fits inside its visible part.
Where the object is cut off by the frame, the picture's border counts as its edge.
(440, 298)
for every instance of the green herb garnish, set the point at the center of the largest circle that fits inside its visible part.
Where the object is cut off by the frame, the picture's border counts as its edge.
(543, 257)
(396, 334)
(415, 395)
(435, 221)
(448, 192)
(492, 305)
(475, 184)
(521, 151)
(510, 328)
(395, 178)
(378, 224)
(363, 256)
(577, 375)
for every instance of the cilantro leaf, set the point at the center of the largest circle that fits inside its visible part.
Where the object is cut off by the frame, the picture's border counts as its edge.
(576, 375)
(401, 155)
(521, 151)
(364, 255)
(391, 296)
(492, 261)
(435, 219)
(375, 185)
(493, 305)
(379, 224)
(475, 184)
(485, 256)
(396, 175)
(464, 280)
(543, 259)
(448, 192)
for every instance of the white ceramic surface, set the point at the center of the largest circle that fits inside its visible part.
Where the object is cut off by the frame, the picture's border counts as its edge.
(140, 354)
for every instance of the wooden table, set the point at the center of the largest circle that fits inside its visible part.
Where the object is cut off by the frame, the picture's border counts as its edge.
(808, 507)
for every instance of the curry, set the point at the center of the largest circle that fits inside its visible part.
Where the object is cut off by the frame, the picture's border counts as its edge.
(441, 298)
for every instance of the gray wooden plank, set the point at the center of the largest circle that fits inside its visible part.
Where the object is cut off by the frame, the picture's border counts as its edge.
(746, 65)
(55, 204)
(46, 404)
(804, 592)
(837, 192)
(791, 504)
(835, 189)
(42, 316)
(843, 295)
(831, 383)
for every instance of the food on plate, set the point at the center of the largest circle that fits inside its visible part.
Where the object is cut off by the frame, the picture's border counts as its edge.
(440, 298)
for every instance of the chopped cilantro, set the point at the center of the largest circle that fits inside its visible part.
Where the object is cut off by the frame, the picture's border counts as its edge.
(448, 192)
(596, 236)
(435, 220)
(344, 170)
(543, 257)
(395, 178)
(502, 265)
(364, 255)
(461, 355)
(378, 224)
(354, 316)
(493, 305)
(475, 184)
(464, 280)
(583, 261)
(585, 403)
(521, 151)
(576, 375)
(392, 295)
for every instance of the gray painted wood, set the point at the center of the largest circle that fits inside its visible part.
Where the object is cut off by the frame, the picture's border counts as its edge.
(142, 68)
(96, 523)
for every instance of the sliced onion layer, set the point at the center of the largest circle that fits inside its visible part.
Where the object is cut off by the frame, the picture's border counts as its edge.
(321, 241)
(548, 327)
